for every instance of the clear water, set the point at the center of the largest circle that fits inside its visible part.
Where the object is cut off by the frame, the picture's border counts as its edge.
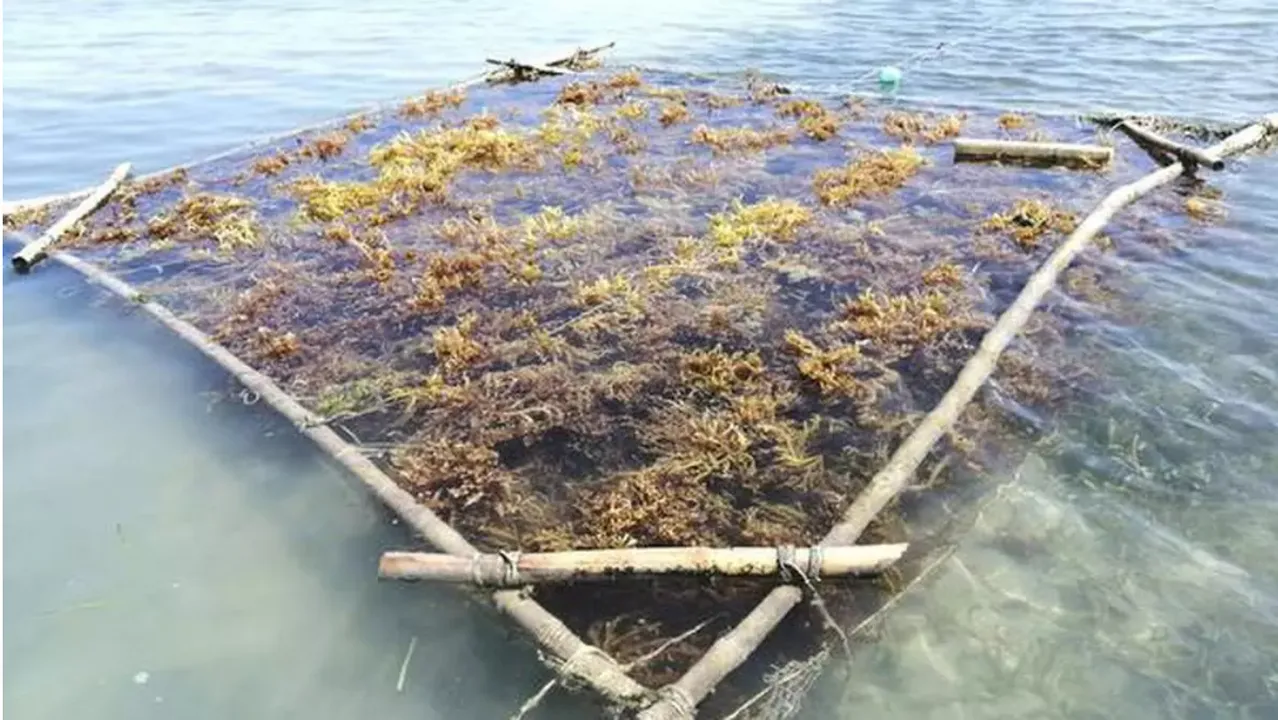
(169, 554)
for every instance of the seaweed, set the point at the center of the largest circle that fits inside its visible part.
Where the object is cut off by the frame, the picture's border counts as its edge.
(738, 140)
(910, 127)
(432, 103)
(1029, 220)
(611, 312)
(874, 173)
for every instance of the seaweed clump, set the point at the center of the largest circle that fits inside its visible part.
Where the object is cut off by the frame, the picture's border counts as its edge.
(1030, 219)
(874, 173)
(910, 127)
(228, 221)
(26, 217)
(769, 219)
(432, 103)
(599, 92)
(738, 140)
(815, 120)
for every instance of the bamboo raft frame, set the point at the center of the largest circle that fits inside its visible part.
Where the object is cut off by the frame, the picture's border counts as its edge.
(571, 657)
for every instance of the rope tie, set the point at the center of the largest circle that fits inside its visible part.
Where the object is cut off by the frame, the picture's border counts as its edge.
(789, 568)
(816, 556)
(477, 569)
(679, 699)
(510, 568)
(786, 563)
(568, 668)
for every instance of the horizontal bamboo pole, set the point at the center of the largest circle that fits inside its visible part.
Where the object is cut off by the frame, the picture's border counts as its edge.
(518, 569)
(980, 149)
(678, 701)
(36, 250)
(1189, 156)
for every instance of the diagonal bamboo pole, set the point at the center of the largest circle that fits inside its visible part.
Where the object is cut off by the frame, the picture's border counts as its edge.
(678, 701)
(1190, 157)
(38, 249)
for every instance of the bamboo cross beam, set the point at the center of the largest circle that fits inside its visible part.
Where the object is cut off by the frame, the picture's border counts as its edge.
(678, 701)
(981, 149)
(38, 249)
(1190, 157)
(517, 569)
(581, 55)
(529, 69)
(563, 65)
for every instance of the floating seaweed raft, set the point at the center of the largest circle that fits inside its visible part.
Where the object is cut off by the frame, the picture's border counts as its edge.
(650, 330)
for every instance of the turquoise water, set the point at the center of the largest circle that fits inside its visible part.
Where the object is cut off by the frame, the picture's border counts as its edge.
(172, 553)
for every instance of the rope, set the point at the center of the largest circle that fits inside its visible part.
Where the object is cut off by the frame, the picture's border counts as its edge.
(484, 574)
(792, 567)
(567, 669)
(678, 699)
(788, 564)
(785, 561)
(816, 558)
(510, 567)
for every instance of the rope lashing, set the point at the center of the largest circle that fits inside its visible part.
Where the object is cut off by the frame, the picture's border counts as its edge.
(568, 668)
(495, 570)
(788, 565)
(679, 699)
(789, 570)
(785, 562)
(510, 567)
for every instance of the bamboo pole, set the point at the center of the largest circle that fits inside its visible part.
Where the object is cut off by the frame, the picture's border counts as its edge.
(980, 149)
(1189, 156)
(518, 569)
(530, 70)
(35, 251)
(678, 701)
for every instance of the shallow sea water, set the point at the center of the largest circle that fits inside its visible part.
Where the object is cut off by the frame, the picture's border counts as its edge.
(170, 552)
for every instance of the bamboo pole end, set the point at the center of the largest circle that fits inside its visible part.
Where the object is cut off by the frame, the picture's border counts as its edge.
(21, 265)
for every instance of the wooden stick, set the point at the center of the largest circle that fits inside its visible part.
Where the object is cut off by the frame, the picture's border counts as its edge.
(1190, 157)
(528, 68)
(565, 65)
(517, 570)
(980, 149)
(35, 251)
(589, 664)
(730, 650)
(581, 55)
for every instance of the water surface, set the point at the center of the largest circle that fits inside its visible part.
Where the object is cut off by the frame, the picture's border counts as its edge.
(169, 552)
